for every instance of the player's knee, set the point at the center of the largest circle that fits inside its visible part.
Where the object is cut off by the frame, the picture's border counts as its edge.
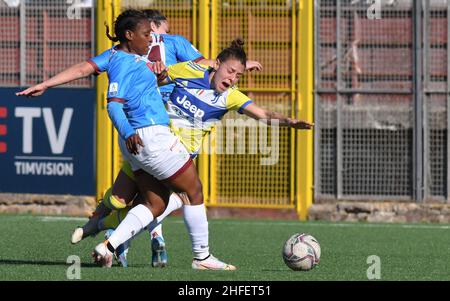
(160, 209)
(113, 202)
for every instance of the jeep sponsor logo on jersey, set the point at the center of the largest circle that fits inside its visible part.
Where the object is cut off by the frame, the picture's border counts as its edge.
(184, 103)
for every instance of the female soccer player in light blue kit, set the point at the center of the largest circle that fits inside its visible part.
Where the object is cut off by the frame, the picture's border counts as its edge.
(169, 49)
(201, 97)
(137, 111)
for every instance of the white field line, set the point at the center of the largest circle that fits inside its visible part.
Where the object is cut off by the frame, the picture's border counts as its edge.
(42, 218)
(331, 224)
(62, 218)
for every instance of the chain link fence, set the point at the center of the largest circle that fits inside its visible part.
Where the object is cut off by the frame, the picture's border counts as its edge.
(180, 13)
(436, 99)
(381, 106)
(266, 28)
(40, 38)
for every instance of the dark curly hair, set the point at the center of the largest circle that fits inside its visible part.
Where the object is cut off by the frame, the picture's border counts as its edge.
(127, 20)
(155, 16)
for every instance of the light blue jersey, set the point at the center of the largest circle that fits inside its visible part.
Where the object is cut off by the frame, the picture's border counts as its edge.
(134, 100)
(171, 49)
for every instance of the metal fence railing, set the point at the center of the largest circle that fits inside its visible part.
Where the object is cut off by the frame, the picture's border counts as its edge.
(266, 27)
(40, 38)
(381, 100)
(436, 99)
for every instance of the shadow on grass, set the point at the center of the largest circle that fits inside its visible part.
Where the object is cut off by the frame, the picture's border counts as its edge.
(42, 262)
(277, 270)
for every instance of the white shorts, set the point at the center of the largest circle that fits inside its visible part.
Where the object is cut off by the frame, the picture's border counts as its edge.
(163, 155)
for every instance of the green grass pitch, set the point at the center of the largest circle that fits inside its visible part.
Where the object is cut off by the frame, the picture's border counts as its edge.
(37, 248)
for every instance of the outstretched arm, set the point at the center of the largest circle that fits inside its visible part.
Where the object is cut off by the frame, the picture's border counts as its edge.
(123, 127)
(72, 73)
(258, 113)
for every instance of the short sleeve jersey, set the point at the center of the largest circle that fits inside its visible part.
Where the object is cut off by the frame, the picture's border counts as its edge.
(194, 108)
(133, 83)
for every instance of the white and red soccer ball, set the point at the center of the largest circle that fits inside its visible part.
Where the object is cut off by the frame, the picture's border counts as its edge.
(301, 252)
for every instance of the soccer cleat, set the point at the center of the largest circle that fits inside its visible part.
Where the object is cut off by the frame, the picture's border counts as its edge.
(122, 255)
(77, 235)
(211, 263)
(159, 253)
(121, 251)
(102, 256)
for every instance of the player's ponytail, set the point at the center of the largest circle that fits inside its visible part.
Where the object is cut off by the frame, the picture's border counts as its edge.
(235, 51)
(128, 20)
(114, 39)
(237, 43)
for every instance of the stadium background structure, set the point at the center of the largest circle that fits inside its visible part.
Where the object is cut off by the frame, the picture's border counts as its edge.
(381, 132)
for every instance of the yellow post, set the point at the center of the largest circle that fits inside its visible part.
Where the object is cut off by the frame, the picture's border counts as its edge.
(116, 154)
(293, 94)
(213, 137)
(117, 7)
(305, 107)
(204, 48)
(104, 126)
(194, 22)
(214, 30)
(204, 26)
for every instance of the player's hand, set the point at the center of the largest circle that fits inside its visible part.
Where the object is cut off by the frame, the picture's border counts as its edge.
(160, 70)
(300, 124)
(133, 142)
(36, 90)
(253, 65)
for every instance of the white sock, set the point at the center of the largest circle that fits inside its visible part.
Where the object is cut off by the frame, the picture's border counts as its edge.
(155, 227)
(137, 219)
(197, 225)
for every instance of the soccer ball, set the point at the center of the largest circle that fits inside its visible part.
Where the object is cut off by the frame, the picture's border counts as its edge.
(301, 252)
